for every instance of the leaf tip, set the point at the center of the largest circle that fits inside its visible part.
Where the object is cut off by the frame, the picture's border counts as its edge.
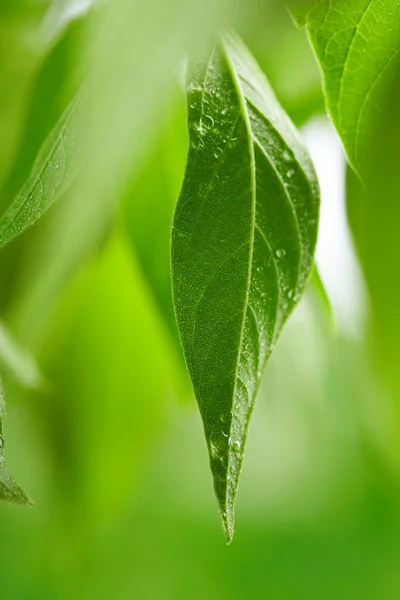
(10, 491)
(225, 486)
(228, 523)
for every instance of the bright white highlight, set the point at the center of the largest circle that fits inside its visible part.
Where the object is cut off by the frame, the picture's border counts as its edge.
(335, 256)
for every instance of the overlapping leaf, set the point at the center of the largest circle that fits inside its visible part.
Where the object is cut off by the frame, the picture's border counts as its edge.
(243, 239)
(357, 43)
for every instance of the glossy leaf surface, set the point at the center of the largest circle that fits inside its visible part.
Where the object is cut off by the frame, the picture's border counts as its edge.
(243, 241)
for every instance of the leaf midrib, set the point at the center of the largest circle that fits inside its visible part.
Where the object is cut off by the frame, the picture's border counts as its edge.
(41, 171)
(252, 140)
(347, 57)
(242, 102)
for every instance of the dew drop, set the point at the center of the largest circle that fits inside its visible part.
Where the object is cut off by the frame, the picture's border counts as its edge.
(217, 446)
(200, 128)
(236, 445)
(232, 142)
(286, 155)
(195, 86)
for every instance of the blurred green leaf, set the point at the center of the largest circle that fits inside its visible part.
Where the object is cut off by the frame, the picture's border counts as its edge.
(18, 361)
(135, 51)
(108, 401)
(243, 241)
(357, 44)
(286, 57)
(55, 84)
(39, 81)
(9, 489)
(148, 208)
(21, 49)
(374, 216)
(56, 166)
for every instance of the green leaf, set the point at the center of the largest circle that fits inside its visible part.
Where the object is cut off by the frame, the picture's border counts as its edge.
(357, 44)
(9, 489)
(55, 168)
(243, 241)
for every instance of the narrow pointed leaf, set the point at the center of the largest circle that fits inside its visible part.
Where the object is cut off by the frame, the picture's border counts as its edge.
(9, 489)
(54, 170)
(243, 240)
(357, 43)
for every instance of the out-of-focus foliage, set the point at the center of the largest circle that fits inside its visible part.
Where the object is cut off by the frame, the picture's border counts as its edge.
(149, 202)
(56, 81)
(21, 48)
(374, 215)
(116, 464)
(285, 55)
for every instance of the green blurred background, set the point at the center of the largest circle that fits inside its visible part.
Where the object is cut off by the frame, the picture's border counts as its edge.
(108, 440)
